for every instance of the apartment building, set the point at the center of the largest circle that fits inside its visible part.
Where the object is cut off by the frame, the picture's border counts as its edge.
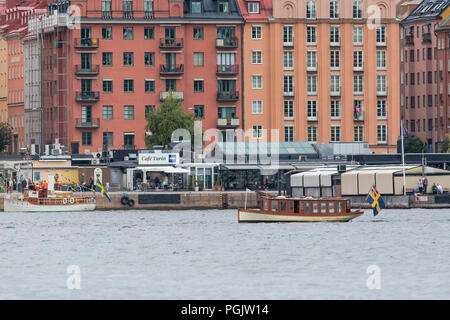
(305, 47)
(103, 74)
(3, 68)
(422, 74)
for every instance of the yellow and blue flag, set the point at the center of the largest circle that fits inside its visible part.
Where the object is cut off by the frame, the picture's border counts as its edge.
(99, 188)
(375, 200)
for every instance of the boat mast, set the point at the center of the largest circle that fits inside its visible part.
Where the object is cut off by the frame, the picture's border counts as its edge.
(403, 160)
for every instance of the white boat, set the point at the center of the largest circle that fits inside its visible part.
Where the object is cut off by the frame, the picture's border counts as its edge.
(31, 201)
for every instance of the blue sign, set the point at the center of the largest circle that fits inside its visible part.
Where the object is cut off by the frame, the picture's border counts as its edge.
(37, 176)
(172, 158)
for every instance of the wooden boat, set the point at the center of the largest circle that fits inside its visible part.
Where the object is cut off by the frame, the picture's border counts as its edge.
(308, 209)
(33, 201)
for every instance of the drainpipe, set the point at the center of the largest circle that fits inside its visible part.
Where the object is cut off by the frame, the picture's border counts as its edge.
(242, 83)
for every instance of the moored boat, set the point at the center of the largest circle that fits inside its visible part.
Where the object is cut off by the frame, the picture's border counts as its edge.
(308, 209)
(33, 201)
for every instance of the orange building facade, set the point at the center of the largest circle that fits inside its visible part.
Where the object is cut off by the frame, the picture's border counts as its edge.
(294, 77)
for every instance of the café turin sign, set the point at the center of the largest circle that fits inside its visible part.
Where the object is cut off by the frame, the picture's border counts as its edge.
(158, 158)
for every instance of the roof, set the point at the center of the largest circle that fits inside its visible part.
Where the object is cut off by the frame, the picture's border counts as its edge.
(265, 9)
(210, 10)
(427, 10)
(243, 148)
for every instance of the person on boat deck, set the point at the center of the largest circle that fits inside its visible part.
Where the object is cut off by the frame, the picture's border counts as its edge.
(31, 186)
(44, 188)
(420, 185)
(434, 189)
(425, 184)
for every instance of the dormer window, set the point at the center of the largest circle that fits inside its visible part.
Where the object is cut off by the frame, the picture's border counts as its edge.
(223, 6)
(196, 6)
(253, 7)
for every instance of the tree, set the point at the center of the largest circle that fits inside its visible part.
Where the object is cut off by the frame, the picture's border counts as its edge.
(446, 144)
(163, 122)
(5, 135)
(413, 145)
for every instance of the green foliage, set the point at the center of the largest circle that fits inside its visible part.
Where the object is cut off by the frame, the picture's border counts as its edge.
(5, 135)
(446, 144)
(169, 117)
(413, 145)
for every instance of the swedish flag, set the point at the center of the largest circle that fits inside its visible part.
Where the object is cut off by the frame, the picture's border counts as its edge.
(375, 200)
(99, 188)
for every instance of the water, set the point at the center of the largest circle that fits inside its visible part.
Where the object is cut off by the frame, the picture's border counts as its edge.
(208, 255)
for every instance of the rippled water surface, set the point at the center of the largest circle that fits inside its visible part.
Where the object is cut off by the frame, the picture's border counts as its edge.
(208, 255)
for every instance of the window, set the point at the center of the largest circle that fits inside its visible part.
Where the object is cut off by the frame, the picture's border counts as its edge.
(335, 133)
(128, 140)
(382, 133)
(311, 37)
(198, 59)
(335, 59)
(128, 59)
(196, 6)
(199, 86)
(107, 86)
(86, 115)
(288, 133)
(381, 84)
(381, 35)
(128, 112)
(127, 33)
(288, 109)
(335, 109)
(257, 107)
(253, 7)
(257, 82)
(334, 9)
(335, 35)
(107, 58)
(256, 57)
(358, 32)
(199, 112)
(86, 138)
(358, 133)
(311, 109)
(288, 60)
(335, 84)
(381, 59)
(257, 132)
(311, 84)
(149, 86)
(149, 33)
(357, 10)
(149, 109)
(107, 112)
(149, 59)
(108, 139)
(198, 33)
(358, 84)
(128, 85)
(223, 6)
(288, 84)
(107, 33)
(311, 10)
(358, 60)
(312, 134)
(288, 35)
(256, 32)
(127, 7)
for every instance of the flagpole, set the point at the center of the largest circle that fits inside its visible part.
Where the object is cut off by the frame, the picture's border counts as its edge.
(403, 160)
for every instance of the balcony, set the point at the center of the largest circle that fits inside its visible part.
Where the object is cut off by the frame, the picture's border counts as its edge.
(289, 93)
(170, 43)
(228, 123)
(129, 147)
(228, 96)
(358, 116)
(87, 96)
(171, 70)
(288, 43)
(93, 124)
(426, 37)
(312, 118)
(92, 43)
(382, 92)
(335, 93)
(227, 43)
(87, 72)
(227, 70)
(178, 95)
(409, 40)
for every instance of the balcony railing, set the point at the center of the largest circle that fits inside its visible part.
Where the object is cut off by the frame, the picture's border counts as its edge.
(179, 95)
(228, 123)
(127, 14)
(227, 43)
(409, 39)
(90, 43)
(228, 96)
(129, 146)
(93, 71)
(83, 124)
(426, 37)
(312, 118)
(221, 69)
(171, 43)
(289, 93)
(87, 96)
(175, 69)
(335, 93)
(382, 92)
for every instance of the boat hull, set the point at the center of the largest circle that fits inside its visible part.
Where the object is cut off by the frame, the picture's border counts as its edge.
(12, 205)
(255, 216)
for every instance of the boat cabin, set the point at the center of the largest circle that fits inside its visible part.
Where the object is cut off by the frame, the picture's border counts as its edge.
(306, 206)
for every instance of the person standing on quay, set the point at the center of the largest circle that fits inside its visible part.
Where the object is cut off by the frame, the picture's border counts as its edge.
(425, 185)
(420, 184)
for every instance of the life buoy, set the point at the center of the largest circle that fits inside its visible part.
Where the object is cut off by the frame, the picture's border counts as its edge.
(72, 200)
(64, 201)
(131, 202)
(124, 200)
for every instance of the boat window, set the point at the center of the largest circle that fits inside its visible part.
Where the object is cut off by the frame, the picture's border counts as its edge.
(274, 205)
(339, 208)
(302, 206)
(307, 207)
(323, 208)
(291, 205)
(266, 205)
(315, 207)
(331, 207)
(283, 206)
